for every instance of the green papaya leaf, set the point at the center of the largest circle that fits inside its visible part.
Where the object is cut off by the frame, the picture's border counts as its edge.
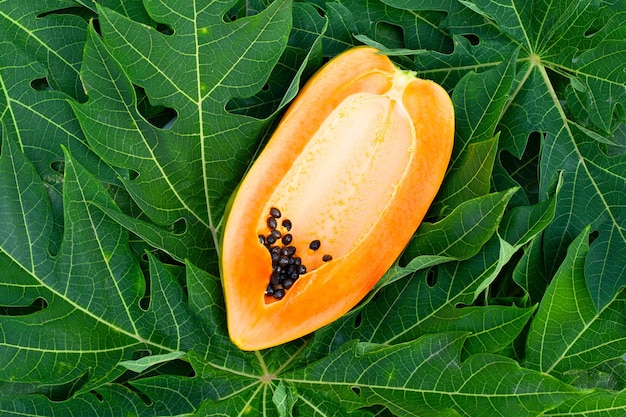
(599, 403)
(568, 329)
(184, 160)
(93, 286)
(428, 374)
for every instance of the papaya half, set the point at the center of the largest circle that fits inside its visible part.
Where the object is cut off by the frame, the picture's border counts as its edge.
(333, 198)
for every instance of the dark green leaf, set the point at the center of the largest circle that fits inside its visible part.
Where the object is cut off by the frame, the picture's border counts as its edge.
(197, 161)
(428, 374)
(568, 333)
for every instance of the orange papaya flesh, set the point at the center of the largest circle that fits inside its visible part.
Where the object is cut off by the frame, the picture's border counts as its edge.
(355, 163)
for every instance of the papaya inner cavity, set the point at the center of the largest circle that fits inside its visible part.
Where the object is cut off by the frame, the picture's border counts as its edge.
(346, 175)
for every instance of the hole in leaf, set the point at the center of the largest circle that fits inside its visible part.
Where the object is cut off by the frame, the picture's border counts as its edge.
(140, 353)
(593, 28)
(38, 304)
(244, 9)
(164, 29)
(356, 390)
(175, 367)
(504, 290)
(58, 166)
(236, 12)
(390, 35)
(144, 301)
(98, 396)
(357, 320)
(172, 367)
(179, 227)
(260, 105)
(166, 258)
(431, 277)
(158, 116)
(81, 12)
(63, 392)
(40, 84)
(524, 170)
(132, 174)
(143, 396)
(473, 39)
(96, 26)
(559, 81)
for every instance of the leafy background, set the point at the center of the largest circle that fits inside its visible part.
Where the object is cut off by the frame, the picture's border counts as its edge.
(125, 127)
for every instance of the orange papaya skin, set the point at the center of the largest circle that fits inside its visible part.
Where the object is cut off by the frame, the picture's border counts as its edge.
(355, 162)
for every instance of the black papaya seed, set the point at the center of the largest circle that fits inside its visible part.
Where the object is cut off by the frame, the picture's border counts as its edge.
(275, 213)
(287, 239)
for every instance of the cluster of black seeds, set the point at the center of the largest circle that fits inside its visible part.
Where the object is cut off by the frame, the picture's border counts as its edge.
(286, 266)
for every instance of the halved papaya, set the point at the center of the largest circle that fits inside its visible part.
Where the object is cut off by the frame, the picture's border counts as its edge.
(333, 198)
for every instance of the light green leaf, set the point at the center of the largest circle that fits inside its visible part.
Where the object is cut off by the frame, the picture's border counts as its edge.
(529, 273)
(146, 362)
(568, 333)
(254, 401)
(383, 49)
(428, 374)
(284, 398)
(597, 404)
(461, 234)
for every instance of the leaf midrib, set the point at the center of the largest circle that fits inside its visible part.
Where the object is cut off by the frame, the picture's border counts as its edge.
(581, 159)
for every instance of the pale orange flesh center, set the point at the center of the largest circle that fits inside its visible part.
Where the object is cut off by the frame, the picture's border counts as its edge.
(342, 181)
